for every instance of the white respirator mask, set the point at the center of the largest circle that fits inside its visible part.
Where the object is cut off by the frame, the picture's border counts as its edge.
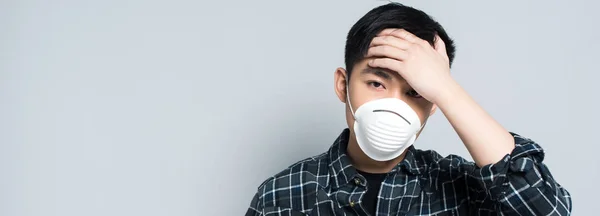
(385, 128)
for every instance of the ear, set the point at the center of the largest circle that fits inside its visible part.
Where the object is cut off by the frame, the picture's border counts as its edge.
(339, 84)
(433, 109)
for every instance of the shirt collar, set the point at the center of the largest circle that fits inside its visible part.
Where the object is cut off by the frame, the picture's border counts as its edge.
(341, 169)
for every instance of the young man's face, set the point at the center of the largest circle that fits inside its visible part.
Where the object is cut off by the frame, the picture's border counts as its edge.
(368, 84)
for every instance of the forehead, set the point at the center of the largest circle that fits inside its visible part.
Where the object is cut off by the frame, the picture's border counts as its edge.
(363, 69)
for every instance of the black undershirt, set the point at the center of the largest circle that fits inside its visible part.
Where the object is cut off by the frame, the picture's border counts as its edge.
(369, 200)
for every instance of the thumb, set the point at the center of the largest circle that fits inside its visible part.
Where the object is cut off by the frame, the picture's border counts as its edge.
(440, 46)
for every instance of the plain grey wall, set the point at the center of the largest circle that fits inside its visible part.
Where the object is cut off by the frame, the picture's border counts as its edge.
(184, 107)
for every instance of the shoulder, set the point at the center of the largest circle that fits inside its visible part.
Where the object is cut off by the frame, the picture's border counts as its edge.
(296, 181)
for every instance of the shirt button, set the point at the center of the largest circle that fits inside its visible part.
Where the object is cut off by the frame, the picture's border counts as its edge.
(357, 181)
(352, 204)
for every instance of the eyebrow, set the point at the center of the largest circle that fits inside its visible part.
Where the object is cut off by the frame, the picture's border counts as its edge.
(377, 72)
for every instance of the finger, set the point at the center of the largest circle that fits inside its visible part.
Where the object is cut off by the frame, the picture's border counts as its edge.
(387, 31)
(387, 63)
(387, 52)
(402, 34)
(440, 46)
(391, 41)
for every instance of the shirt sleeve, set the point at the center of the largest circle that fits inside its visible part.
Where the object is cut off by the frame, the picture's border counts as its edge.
(520, 184)
(255, 208)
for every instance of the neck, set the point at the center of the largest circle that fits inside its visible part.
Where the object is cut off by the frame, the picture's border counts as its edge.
(364, 163)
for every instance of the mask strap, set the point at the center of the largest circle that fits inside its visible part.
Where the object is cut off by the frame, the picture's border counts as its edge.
(348, 98)
(423, 125)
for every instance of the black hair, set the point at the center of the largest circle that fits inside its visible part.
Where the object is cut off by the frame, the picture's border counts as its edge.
(392, 15)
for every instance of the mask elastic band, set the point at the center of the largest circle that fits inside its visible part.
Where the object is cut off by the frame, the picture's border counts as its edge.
(348, 99)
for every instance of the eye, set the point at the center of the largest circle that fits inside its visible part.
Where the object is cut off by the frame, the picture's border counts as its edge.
(413, 93)
(375, 84)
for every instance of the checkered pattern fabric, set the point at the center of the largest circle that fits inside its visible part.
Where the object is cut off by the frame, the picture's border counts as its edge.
(424, 183)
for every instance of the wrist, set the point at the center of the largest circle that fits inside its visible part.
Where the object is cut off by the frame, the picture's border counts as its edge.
(452, 92)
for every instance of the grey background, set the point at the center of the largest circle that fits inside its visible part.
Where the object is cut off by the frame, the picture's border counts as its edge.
(184, 107)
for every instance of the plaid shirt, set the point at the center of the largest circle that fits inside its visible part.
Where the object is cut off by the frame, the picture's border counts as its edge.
(424, 183)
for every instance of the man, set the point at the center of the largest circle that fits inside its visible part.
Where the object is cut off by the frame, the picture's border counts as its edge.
(397, 75)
